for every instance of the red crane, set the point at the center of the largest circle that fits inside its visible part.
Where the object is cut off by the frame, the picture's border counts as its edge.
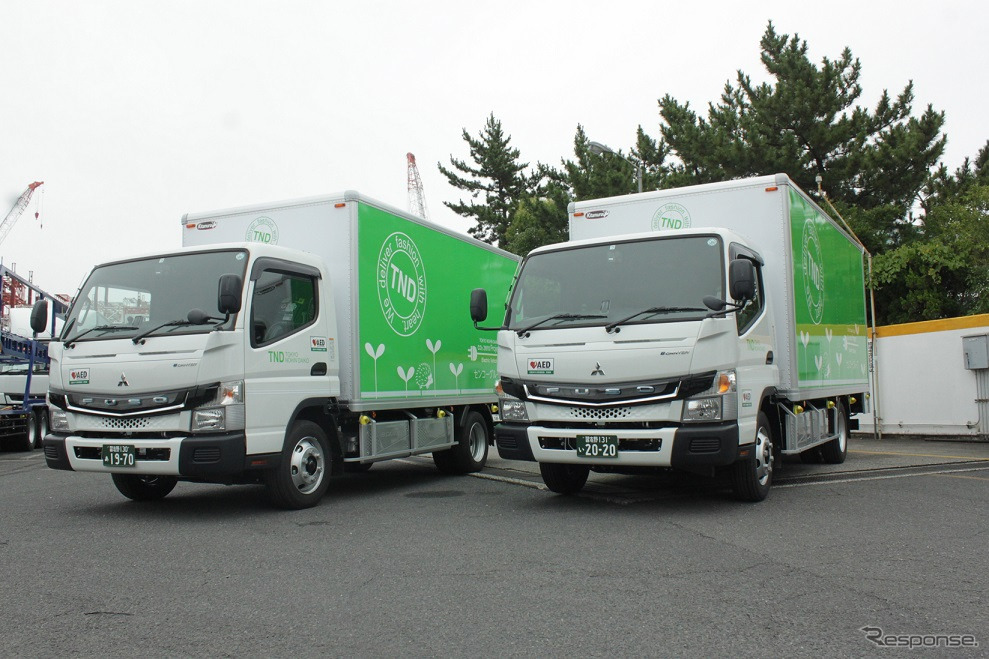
(13, 291)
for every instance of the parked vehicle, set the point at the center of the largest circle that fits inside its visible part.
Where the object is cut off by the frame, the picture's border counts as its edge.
(282, 344)
(710, 328)
(24, 367)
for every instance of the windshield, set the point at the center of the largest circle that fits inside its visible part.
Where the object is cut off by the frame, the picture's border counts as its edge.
(614, 281)
(122, 300)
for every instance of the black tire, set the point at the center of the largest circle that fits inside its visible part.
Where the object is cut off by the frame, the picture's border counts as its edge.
(471, 450)
(29, 439)
(144, 488)
(41, 423)
(835, 451)
(303, 474)
(752, 476)
(564, 479)
(357, 467)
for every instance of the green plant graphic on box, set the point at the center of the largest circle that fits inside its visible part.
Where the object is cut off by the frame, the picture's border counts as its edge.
(829, 300)
(416, 336)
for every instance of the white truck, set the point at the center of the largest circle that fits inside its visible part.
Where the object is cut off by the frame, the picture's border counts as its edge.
(283, 344)
(711, 328)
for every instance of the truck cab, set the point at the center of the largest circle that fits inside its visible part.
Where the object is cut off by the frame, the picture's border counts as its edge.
(621, 354)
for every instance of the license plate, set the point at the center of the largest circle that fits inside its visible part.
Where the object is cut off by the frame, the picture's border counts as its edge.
(597, 446)
(118, 455)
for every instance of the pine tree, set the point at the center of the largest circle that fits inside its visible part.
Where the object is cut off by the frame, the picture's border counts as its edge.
(808, 123)
(496, 177)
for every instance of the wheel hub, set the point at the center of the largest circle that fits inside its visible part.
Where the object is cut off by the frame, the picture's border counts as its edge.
(763, 456)
(308, 465)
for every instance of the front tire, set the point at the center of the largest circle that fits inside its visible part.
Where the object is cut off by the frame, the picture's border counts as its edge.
(471, 450)
(41, 423)
(564, 479)
(144, 488)
(752, 476)
(303, 474)
(29, 439)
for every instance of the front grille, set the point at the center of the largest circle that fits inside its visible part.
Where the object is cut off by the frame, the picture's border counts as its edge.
(140, 455)
(507, 442)
(126, 423)
(705, 445)
(206, 454)
(615, 394)
(596, 413)
(624, 445)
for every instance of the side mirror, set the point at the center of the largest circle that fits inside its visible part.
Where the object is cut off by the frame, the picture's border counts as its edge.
(741, 279)
(228, 294)
(39, 316)
(478, 305)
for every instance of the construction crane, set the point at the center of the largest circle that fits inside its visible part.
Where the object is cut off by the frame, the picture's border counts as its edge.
(15, 212)
(417, 199)
(12, 289)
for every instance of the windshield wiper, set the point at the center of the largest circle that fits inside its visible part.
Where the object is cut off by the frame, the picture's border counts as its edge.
(172, 323)
(98, 328)
(561, 316)
(612, 326)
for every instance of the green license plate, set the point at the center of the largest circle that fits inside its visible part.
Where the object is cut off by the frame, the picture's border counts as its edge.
(118, 455)
(597, 446)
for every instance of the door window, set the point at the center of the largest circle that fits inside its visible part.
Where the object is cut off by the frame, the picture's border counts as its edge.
(283, 303)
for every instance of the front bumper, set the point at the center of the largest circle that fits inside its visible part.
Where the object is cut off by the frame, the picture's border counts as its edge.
(682, 447)
(200, 456)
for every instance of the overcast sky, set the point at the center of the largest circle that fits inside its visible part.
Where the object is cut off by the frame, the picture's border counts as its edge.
(134, 113)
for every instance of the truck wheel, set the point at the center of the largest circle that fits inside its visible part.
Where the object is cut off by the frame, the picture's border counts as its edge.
(41, 423)
(303, 474)
(471, 450)
(564, 479)
(834, 452)
(144, 488)
(751, 477)
(29, 439)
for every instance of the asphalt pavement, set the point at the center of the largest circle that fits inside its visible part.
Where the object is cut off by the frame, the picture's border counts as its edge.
(402, 561)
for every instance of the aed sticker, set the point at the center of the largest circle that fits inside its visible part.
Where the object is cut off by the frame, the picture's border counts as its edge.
(79, 376)
(746, 399)
(317, 343)
(541, 367)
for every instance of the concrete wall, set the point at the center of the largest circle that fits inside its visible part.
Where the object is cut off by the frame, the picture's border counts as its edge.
(920, 384)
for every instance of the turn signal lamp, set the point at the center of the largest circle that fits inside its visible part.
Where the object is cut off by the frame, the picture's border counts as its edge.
(494, 409)
(830, 404)
(441, 414)
(364, 420)
(726, 382)
(797, 409)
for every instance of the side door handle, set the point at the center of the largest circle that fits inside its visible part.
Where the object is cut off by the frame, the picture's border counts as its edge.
(319, 368)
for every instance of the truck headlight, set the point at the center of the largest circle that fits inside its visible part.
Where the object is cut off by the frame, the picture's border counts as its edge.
(224, 412)
(58, 420)
(719, 403)
(512, 409)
